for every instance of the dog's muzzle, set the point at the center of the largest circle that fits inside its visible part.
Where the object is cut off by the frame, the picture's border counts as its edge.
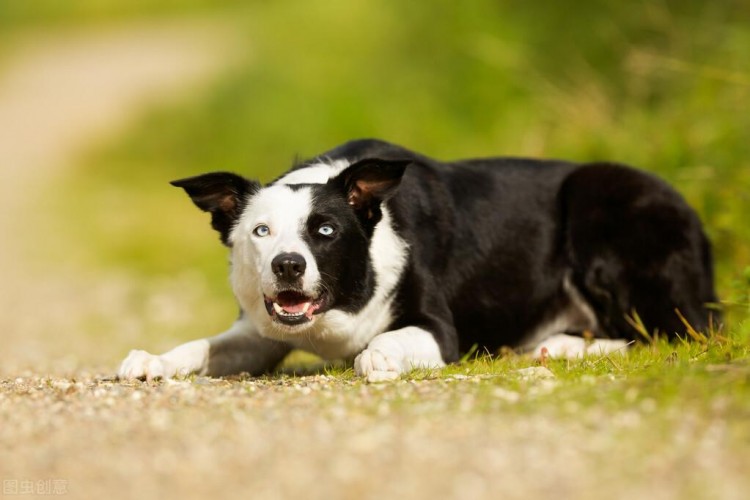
(291, 305)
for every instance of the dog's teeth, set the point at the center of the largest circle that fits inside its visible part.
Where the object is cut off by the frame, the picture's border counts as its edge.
(306, 308)
(278, 308)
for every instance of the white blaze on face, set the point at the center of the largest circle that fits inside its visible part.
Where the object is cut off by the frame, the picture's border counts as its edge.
(320, 173)
(285, 212)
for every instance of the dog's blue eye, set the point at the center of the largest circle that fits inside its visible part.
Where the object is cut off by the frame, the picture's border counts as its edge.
(261, 230)
(326, 230)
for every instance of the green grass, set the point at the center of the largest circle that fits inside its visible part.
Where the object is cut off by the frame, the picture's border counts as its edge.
(661, 86)
(653, 391)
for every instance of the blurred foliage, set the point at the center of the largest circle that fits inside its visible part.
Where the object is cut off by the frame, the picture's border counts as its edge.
(21, 14)
(662, 85)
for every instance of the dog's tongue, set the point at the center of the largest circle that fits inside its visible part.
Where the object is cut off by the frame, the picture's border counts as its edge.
(292, 302)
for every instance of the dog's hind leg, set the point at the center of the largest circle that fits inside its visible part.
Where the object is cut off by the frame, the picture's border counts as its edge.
(571, 346)
(636, 247)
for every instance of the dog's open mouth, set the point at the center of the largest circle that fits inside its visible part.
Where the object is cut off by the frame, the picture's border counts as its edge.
(294, 308)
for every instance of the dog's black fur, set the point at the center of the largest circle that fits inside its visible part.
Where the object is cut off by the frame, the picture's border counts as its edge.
(491, 241)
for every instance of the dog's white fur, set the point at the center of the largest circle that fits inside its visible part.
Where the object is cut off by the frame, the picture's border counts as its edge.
(569, 346)
(320, 173)
(183, 360)
(392, 353)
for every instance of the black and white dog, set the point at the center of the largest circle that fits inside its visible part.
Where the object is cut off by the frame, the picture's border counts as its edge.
(375, 253)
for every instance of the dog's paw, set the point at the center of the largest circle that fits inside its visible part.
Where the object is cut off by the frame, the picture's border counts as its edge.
(391, 354)
(143, 365)
(571, 347)
(377, 366)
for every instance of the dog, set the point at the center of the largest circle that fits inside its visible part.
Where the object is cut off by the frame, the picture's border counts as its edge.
(382, 256)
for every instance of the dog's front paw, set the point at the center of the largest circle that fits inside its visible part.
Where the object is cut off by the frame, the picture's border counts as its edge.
(377, 366)
(392, 353)
(141, 364)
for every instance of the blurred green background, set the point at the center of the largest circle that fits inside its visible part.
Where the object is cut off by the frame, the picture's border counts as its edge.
(663, 85)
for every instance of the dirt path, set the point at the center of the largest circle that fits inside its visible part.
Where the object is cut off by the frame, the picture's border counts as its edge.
(60, 93)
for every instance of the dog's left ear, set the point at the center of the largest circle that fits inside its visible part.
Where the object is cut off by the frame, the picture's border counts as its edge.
(223, 194)
(370, 182)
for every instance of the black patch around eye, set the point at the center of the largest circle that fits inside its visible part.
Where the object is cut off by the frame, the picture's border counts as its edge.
(343, 257)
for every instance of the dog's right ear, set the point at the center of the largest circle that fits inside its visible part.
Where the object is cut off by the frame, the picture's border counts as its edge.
(223, 194)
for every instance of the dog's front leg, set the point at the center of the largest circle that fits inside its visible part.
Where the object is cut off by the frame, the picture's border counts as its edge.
(390, 354)
(239, 349)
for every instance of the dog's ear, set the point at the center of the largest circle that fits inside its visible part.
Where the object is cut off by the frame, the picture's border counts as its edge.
(369, 182)
(222, 194)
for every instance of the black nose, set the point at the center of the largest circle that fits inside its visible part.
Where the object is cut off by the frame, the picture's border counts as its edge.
(288, 266)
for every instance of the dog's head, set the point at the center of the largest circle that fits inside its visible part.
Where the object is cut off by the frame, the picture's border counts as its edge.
(299, 249)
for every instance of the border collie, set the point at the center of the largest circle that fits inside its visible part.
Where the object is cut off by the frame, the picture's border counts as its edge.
(377, 254)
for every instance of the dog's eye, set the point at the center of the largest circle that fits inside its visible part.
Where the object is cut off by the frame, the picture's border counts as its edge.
(261, 230)
(326, 230)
